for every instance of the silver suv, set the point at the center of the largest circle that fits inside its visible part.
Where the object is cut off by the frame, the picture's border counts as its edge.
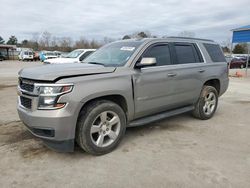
(125, 83)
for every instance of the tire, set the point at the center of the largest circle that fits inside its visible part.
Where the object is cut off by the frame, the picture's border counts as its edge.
(242, 66)
(93, 134)
(205, 110)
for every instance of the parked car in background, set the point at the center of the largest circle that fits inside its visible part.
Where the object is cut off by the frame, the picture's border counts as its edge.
(43, 55)
(2, 57)
(57, 53)
(244, 58)
(75, 56)
(26, 55)
(237, 63)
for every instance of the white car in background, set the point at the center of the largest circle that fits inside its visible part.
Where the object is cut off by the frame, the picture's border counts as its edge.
(26, 55)
(75, 56)
(44, 55)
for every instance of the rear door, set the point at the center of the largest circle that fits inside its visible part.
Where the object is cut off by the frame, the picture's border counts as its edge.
(188, 68)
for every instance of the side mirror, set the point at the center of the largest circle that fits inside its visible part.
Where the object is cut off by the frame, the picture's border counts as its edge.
(146, 61)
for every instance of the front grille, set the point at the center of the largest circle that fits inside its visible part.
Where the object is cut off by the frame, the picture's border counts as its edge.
(26, 102)
(26, 85)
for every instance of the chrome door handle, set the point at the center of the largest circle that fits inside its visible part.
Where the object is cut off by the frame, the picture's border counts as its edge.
(172, 74)
(201, 70)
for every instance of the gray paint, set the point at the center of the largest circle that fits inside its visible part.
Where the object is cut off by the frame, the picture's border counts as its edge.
(147, 91)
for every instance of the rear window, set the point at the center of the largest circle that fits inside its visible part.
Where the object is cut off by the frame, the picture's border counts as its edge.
(187, 53)
(215, 52)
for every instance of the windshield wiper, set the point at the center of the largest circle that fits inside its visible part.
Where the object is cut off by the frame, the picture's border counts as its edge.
(96, 63)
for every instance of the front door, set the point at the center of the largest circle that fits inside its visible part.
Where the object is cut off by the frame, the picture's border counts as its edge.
(154, 85)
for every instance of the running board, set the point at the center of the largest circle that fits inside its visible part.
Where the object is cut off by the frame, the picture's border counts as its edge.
(160, 116)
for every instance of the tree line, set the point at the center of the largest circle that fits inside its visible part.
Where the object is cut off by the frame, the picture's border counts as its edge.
(47, 41)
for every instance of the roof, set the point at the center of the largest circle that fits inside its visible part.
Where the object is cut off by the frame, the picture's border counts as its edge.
(7, 46)
(170, 39)
(191, 38)
(243, 28)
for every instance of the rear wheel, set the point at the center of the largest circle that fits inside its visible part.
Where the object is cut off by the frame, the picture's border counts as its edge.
(207, 103)
(100, 127)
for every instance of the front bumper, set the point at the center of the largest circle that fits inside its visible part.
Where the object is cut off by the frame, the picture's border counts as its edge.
(54, 127)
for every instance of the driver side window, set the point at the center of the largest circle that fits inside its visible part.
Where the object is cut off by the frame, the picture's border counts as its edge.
(161, 52)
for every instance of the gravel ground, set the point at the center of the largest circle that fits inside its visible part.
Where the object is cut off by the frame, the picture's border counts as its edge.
(178, 152)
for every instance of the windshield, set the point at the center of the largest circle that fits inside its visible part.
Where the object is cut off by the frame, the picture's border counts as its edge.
(115, 54)
(74, 54)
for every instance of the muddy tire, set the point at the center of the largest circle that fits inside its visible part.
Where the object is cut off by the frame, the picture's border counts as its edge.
(207, 103)
(100, 127)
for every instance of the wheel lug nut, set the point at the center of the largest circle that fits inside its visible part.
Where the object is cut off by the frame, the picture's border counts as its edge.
(107, 129)
(104, 132)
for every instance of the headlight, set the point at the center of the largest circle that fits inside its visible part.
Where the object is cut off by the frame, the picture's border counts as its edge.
(50, 93)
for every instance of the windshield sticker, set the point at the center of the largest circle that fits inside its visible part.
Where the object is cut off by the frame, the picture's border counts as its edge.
(127, 48)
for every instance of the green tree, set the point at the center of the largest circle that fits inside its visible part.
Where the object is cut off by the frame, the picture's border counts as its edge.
(1, 40)
(12, 40)
(225, 49)
(238, 49)
(25, 43)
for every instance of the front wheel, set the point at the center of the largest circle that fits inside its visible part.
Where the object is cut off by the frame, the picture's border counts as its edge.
(100, 127)
(207, 103)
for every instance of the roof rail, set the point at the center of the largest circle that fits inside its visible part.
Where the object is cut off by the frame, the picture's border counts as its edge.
(191, 38)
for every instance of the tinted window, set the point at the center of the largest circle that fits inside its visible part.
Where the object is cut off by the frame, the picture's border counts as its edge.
(215, 52)
(161, 53)
(85, 55)
(186, 53)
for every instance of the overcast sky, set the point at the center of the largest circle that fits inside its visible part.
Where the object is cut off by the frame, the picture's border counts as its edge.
(115, 18)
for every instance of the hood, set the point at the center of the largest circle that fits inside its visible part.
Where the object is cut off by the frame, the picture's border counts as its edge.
(53, 72)
(62, 60)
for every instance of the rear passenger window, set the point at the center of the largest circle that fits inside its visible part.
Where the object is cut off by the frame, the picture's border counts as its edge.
(215, 52)
(161, 53)
(187, 53)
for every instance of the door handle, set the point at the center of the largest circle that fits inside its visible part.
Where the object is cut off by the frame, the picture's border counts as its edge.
(172, 74)
(201, 70)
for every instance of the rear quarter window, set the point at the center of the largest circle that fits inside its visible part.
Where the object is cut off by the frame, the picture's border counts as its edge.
(215, 52)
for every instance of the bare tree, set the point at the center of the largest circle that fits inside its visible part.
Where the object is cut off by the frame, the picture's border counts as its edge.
(82, 43)
(186, 34)
(45, 39)
(94, 44)
(65, 44)
(107, 40)
(54, 43)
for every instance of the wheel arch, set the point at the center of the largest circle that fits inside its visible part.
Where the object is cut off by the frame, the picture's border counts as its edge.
(215, 82)
(116, 98)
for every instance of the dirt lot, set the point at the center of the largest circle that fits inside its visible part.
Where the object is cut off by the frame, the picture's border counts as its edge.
(178, 152)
